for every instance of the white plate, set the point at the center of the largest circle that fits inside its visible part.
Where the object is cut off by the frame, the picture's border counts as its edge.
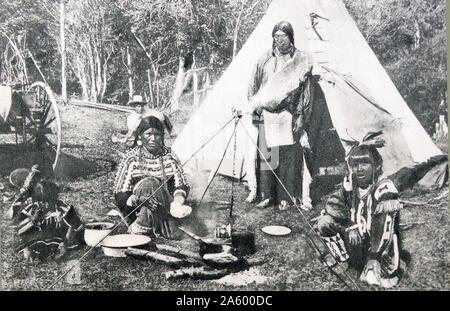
(125, 240)
(276, 230)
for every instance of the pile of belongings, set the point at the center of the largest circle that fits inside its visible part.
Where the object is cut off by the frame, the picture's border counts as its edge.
(46, 226)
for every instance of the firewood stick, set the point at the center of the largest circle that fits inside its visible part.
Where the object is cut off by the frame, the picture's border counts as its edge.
(201, 273)
(414, 204)
(136, 252)
(204, 273)
(444, 194)
(144, 254)
(177, 250)
(101, 106)
(169, 260)
(221, 202)
(407, 226)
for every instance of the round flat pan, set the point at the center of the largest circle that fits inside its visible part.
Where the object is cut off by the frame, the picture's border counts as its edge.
(125, 240)
(276, 230)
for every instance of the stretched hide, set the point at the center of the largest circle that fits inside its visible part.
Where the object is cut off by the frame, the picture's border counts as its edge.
(435, 178)
(432, 174)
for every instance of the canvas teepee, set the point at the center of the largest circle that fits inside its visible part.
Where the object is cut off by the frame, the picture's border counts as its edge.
(354, 89)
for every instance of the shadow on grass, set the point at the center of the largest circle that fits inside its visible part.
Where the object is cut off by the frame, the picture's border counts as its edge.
(69, 167)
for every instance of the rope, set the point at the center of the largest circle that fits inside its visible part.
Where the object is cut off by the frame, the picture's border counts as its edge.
(234, 167)
(134, 210)
(208, 141)
(309, 239)
(220, 164)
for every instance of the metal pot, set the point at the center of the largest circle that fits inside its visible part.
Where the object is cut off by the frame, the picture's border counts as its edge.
(225, 253)
(243, 243)
(210, 246)
(94, 232)
(214, 246)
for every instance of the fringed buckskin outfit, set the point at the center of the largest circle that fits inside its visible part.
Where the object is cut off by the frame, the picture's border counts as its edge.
(374, 212)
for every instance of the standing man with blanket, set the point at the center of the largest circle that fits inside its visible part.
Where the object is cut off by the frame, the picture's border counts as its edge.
(279, 98)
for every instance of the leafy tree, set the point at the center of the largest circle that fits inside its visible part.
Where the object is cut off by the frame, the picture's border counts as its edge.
(24, 23)
(409, 38)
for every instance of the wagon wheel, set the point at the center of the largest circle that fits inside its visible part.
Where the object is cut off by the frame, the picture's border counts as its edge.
(43, 123)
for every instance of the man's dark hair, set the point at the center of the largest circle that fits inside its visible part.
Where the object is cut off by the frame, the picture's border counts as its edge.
(285, 27)
(358, 153)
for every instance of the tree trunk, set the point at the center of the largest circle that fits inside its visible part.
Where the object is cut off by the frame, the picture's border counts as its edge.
(156, 75)
(130, 74)
(79, 75)
(37, 66)
(239, 20)
(91, 61)
(150, 87)
(98, 71)
(24, 76)
(63, 54)
(79, 68)
(196, 101)
(25, 69)
(207, 83)
(179, 85)
(105, 81)
(236, 30)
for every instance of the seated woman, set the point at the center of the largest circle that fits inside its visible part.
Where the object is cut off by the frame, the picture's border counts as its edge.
(150, 183)
(46, 226)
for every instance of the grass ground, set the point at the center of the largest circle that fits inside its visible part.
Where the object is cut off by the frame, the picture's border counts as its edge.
(87, 170)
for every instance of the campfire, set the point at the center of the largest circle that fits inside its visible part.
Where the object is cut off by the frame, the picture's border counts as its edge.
(227, 252)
